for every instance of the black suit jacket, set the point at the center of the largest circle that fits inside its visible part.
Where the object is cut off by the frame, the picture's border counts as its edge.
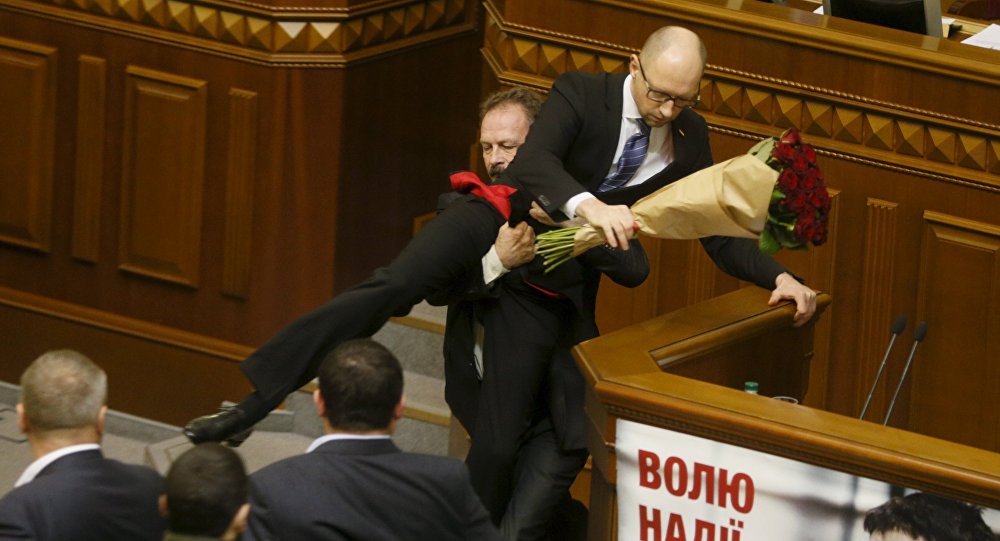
(366, 490)
(571, 146)
(84, 496)
(570, 149)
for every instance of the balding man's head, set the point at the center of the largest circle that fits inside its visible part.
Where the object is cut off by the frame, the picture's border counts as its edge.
(666, 75)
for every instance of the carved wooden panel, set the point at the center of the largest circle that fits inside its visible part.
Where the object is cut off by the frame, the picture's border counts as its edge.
(87, 185)
(303, 35)
(876, 315)
(920, 142)
(162, 175)
(27, 124)
(239, 192)
(955, 397)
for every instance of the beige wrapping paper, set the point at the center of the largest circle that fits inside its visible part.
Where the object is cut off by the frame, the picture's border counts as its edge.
(730, 199)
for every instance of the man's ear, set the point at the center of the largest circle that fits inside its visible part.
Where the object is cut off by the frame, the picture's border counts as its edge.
(397, 414)
(319, 403)
(162, 504)
(101, 415)
(22, 419)
(239, 523)
(633, 65)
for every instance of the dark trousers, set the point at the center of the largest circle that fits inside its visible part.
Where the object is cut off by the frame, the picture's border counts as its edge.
(542, 476)
(441, 254)
(517, 464)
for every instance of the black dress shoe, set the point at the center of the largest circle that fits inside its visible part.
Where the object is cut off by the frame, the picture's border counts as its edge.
(229, 425)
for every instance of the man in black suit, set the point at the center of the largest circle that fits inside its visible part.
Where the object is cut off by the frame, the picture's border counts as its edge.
(500, 339)
(206, 495)
(71, 491)
(574, 164)
(354, 483)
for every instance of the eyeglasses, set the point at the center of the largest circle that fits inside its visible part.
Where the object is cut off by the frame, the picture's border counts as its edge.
(660, 96)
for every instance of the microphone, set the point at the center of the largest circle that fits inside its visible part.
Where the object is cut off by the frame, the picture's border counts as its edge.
(918, 335)
(897, 329)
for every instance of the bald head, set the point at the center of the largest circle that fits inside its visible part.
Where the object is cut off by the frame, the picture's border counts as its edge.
(676, 42)
(666, 75)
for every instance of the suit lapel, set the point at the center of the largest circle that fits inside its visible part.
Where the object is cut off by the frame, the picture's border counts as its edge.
(611, 123)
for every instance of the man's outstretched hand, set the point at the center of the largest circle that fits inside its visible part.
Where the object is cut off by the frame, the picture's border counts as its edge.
(616, 221)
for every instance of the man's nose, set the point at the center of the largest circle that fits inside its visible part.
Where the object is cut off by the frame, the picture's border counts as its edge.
(668, 109)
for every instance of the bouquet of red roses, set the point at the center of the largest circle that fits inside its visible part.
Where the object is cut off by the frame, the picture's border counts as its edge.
(800, 204)
(774, 193)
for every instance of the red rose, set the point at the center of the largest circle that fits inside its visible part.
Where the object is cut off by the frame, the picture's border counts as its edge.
(799, 163)
(819, 234)
(790, 137)
(809, 152)
(788, 181)
(796, 201)
(784, 154)
(815, 174)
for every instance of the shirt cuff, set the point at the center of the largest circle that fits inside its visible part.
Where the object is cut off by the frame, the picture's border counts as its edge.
(492, 267)
(569, 209)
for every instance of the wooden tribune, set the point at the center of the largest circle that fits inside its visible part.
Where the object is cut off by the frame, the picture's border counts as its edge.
(684, 371)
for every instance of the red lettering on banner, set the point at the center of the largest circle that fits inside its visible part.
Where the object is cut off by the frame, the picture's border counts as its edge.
(736, 526)
(704, 530)
(649, 463)
(647, 523)
(676, 476)
(675, 528)
(706, 479)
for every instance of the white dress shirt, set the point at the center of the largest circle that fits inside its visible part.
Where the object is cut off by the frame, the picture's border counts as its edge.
(41, 462)
(658, 157)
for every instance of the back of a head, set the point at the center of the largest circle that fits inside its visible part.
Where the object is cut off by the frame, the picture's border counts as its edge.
(361, 383)
(205, 488)
(63, 389)
(930, 517)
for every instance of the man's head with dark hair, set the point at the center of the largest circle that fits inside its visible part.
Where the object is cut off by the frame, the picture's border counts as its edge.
(926, 517)
(505, 117)
(206, 493)
(360, 388)
(529, 100)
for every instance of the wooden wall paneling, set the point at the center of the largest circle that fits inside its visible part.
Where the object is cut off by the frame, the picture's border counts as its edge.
(163, 156)
(27, 107)
(241, 164)
(877, 310)
(953, 393)
(153, 371)
(89, 172)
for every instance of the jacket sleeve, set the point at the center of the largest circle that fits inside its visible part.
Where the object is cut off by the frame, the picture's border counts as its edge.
(627, 268)
(539, 166)
(742, 259)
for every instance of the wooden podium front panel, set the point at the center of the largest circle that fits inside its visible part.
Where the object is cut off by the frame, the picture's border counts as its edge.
(908, 137)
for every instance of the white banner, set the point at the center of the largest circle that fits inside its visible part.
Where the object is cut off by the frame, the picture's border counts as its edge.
(677, 487)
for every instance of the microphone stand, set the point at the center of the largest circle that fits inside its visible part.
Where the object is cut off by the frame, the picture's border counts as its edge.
(918, 336)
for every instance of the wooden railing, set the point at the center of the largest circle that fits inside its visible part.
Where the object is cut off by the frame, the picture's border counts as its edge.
(720, 342)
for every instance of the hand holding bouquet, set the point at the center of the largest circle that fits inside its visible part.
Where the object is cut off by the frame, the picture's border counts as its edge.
(774, 193)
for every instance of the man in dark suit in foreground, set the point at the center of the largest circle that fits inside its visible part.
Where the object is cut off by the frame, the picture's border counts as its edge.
(71, 491)
(354, 483)
(206, 495)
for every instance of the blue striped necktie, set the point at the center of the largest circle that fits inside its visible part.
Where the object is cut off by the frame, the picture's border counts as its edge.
(633, 153)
